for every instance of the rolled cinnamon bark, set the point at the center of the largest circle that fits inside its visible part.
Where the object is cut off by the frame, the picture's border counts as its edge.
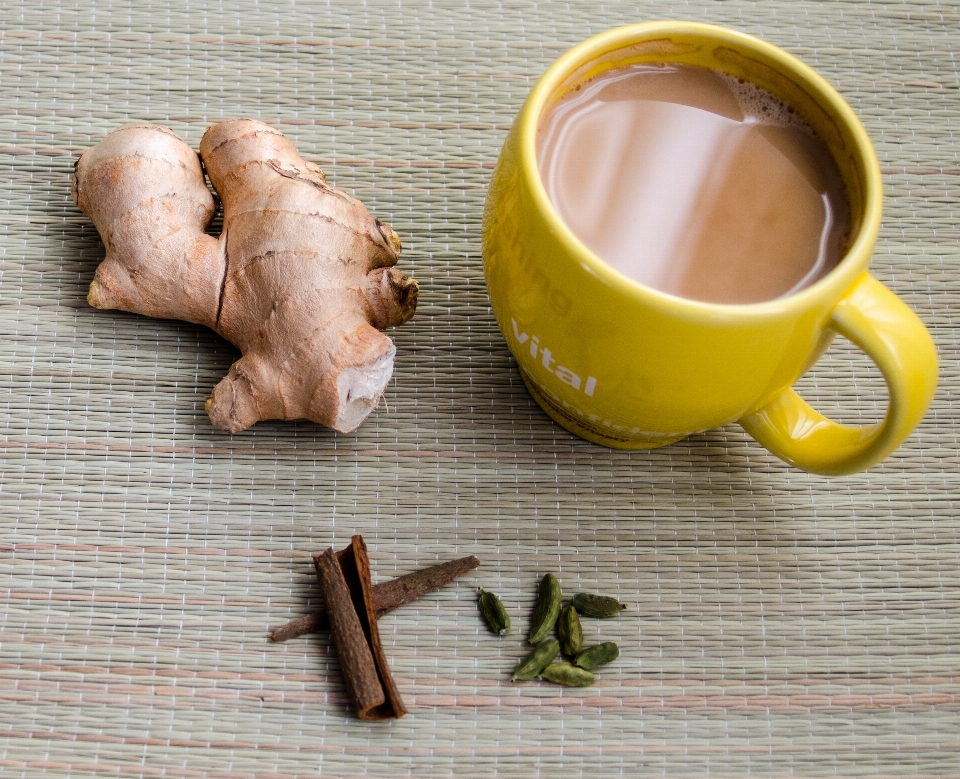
(348, 591)
(386, 596)
(356, 658)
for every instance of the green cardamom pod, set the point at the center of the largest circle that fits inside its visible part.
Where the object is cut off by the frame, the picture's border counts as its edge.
(569, 631)
(597, 605)
(598, 655)
(493, 613)
(568, 675)
(547, 610)
(542, 655)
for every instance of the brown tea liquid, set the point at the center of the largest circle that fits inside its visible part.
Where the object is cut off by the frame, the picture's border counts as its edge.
(696, 184)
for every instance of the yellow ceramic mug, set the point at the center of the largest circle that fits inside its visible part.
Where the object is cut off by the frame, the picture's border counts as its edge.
(626, 366)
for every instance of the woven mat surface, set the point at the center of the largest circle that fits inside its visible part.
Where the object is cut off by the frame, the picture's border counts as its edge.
(783, 624)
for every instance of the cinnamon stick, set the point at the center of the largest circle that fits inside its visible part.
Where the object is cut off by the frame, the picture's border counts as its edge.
(356, 657)
(386, 596)
(357, 554)
(348, 590)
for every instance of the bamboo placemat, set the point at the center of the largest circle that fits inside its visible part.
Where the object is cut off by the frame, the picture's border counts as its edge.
(785, 624)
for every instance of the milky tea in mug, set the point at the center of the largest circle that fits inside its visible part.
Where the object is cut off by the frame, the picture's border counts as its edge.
(694, 182)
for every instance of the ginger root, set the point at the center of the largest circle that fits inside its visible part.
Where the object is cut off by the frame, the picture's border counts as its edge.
(300, 279)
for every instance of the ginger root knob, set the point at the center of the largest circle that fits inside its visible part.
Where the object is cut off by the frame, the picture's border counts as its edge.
(300, 279)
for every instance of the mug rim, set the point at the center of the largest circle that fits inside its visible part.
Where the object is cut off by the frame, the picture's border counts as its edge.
(854, 261)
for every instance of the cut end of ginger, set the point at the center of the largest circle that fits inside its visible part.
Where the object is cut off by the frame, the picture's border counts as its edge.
(360, 389)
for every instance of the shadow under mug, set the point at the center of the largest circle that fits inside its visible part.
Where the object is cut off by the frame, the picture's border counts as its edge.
(627, 366)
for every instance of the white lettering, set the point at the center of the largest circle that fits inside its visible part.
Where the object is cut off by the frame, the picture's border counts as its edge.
(547, 358)
(548, 361)
(567, 376)
(516, 331)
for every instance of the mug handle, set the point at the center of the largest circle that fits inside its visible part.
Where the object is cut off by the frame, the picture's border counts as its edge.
(882, 325)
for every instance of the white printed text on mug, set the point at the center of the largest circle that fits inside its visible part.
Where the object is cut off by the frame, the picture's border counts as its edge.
(547, 360)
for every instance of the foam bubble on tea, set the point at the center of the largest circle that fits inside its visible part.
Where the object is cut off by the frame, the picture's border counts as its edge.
(694, 183)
